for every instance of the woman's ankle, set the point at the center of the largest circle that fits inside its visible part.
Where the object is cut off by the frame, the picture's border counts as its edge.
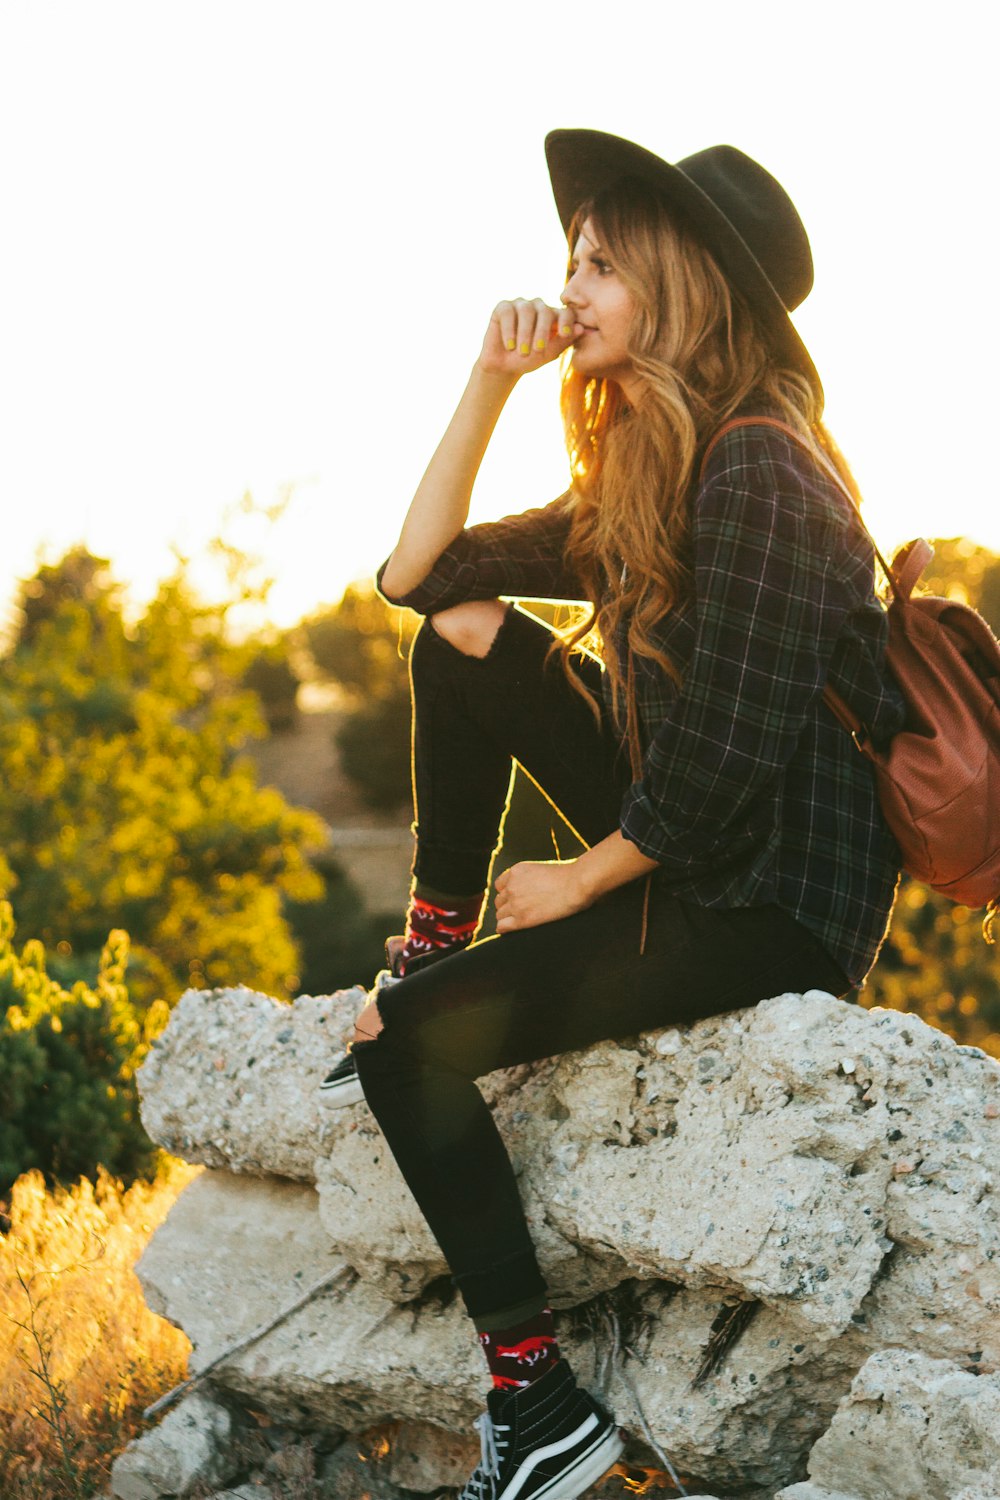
(439, 923)
(520, 1355)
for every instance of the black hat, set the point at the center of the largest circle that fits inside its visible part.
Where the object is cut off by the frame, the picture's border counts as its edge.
(745, 218)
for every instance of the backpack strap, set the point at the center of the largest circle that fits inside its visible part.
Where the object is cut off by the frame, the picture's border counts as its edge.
(909, 562)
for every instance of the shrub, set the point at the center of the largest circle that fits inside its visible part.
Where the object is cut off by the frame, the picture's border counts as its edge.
(80, 1353)
(68, 1059)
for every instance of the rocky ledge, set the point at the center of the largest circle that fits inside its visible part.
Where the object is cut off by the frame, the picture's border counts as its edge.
(772, 1239)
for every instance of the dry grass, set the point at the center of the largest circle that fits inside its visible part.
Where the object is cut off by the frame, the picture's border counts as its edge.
(80, 1353)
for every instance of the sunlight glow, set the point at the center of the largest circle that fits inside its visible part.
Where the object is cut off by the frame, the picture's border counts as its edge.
(254, 249)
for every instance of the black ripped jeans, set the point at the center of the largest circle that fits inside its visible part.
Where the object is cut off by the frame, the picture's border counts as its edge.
(541, 990)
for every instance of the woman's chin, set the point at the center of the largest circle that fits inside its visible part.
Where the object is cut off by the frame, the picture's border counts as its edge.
(590, 369)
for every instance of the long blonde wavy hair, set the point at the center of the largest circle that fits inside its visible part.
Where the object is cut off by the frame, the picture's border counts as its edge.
(700, 353)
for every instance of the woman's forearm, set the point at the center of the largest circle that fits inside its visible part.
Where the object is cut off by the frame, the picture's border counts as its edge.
(612, 862)
(440, 507)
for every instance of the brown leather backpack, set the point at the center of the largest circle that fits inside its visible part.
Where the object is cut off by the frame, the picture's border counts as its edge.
(939, 778)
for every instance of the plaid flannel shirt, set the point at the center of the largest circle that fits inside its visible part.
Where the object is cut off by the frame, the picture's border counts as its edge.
(750, 791)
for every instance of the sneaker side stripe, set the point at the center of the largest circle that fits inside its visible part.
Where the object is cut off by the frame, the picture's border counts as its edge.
(550, 1450)
(585, 1470)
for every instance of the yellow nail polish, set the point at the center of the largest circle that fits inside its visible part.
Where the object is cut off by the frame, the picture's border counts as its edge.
(540, 345)
(525, 348)
(564, 333)
(511, 343)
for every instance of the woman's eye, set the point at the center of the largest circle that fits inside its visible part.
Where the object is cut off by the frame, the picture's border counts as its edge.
(603, 267)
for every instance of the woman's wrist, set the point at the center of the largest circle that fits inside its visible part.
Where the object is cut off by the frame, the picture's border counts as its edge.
(493, 385)
(611, 863)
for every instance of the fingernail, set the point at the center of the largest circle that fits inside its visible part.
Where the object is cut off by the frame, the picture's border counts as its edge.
(525, 348)
(565, 332)
(540, 345)
(511, 343)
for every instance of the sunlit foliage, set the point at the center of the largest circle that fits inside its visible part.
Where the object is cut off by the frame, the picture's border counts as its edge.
(81, 1355)
(125, 801)
(362, 645)
(935, 963)
(967, 572)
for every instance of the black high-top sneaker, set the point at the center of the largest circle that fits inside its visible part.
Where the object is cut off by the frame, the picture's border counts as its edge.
(546, 1441)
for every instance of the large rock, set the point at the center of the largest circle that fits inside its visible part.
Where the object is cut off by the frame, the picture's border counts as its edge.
(909, 1426)
(232, 1081)
(192, 1448)
(236, 1250)
(823, 1170)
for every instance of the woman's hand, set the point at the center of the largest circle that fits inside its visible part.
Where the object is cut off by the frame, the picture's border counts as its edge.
(523, 336)
(531, 893)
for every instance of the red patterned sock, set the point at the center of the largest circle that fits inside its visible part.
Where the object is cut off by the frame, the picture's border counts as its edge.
(436, 922)
(519, 1355)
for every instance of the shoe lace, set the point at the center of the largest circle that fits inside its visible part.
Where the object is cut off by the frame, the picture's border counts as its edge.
(482, 1485)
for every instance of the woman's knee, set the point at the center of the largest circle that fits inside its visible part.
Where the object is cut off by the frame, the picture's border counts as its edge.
(471, 627)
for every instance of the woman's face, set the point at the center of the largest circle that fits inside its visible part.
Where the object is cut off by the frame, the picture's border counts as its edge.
(598, 300)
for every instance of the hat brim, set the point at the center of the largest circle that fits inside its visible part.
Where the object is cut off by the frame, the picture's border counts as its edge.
(582, 163)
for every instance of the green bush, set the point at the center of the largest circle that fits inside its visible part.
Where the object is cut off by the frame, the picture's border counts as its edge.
(272, 677)
(68, 1059)
(126, 800)
(342, 943)
(374, 746)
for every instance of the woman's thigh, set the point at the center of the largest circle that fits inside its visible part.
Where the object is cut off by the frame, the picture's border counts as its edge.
(563, 985)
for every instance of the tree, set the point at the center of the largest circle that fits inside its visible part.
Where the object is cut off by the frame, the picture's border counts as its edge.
(341, 943)
(361, 643)
(963, 570)
(935, 964)
(126, 801)
(271, 676)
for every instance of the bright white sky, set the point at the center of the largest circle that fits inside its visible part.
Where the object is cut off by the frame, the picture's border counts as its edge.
(248, 246)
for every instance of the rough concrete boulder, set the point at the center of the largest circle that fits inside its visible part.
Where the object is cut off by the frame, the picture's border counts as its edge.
(236, 1250)
(807, 1153)
(191, 1449)
(232, 1081)
(423, 1456)
(909, 1426)
(808, 1177)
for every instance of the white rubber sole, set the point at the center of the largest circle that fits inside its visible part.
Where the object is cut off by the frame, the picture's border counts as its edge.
(340, 1098)
(338, 1095)
(588, 1469)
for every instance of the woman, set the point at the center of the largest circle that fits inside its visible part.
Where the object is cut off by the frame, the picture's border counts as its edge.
(735, 848)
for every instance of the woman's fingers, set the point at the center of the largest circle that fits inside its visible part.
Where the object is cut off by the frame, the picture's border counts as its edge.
(534, 319)
(506, 315)
(509, 898)
(523, 335)
(526, 315)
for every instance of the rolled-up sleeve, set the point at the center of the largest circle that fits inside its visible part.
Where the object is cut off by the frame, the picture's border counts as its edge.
(521, 556)
(768, 610)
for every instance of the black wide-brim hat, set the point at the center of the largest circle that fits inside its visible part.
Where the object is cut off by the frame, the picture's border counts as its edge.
(742, 214)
